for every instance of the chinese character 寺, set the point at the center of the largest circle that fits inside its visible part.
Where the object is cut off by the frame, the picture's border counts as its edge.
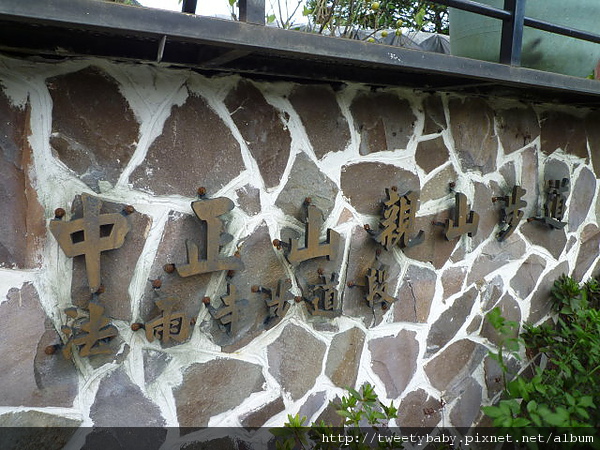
(228, 313)
(377, 286)
(90, 235)
(169, 325)
(324, 297)
(209, 212)
(93, 333)
(398, 220)
(511, 214)
(461, 224)
(312, 247)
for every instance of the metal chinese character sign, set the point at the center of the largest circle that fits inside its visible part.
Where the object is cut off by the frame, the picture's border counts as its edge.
(323, 299)
(556, 203)
(90, 235)
(92, 335)
(461, 223)
(511, 214)
(312, 247)
(398, 220)
(227, 314)
(209, 212)
(170, 325)
(377, 286)
(277, 304)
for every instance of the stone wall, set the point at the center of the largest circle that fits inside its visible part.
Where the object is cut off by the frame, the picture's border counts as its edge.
(149, 137)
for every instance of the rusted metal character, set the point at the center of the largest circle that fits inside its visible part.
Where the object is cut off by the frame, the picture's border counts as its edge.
(511, 214)
(169, 325)
(555, 205)
(277, 303)
(377, 286)
(461, 224)
(90, 335)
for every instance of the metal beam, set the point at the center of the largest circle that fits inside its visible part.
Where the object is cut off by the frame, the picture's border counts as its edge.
(511, 42)
(252, 11)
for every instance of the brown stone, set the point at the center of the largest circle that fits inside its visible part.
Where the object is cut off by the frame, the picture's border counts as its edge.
(494, 378)
(588, 251)
(249, 199)
(508, 172)
(438, 186)
(193, 133)
(154, 364)
(592, 127)
(435, 248)
(467, 407)
(214, 387)
(322, 118)
(94, 130)
(509, 309)
(419, 410)
(489, 212)
(472, 125)
(116, 266)
(454, 364)
(295, 360)
(494, 255)
(517, 128)
(415, 295)
(343, 358)
(564, 131)
(552, 240)
(540, 303)
(529, 181)
(121, 403)
(22, 223)
(384, 121)
(330, 416)
(431, 154)
(30, 377)
(36, 429)
(313, 403)
(527, 275)
(579, 204)
(364, 184)
(435, 119)
(452, 280)
(474, 325)
(306, 180)
(394, 360)
(451, 320)
(258, 417)
(491, 293)
(263, 130)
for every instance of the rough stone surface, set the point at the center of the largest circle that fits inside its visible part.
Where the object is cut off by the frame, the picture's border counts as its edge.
(249, 200)
(493, 374)
(450, 321)
(540, 303)
(529, 181)
(260, 416)
(29, 376)
(593, 134)
(22, 221)
(367, 197)
(509, 173)
(94, 131)
(230, 382)
(494, 255)
(588, 251)
(344, 357)
(120, 403)
(517, 128)
(489, 213)
(313, 403)
(263, 130)
(438, 186)
(116, 266)
(330, 416)
(579, 205)
(468, 405)
(394, 360)
(419, 410)
(306, 180)
(435, 119)
(552, 240)
(527, 276)
(415, 295)
(509, 309)
(384, 121)
(36, 429)
(475, 325)
(564, 131)
(452, 280)
(298, 374)
(191, 133)
(472, 126)
(491, 292)
(322, 118)
(154, 364)
(431, 154)
(454, 364)
(435, 248)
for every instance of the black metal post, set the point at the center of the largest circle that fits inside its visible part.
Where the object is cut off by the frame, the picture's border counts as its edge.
(512, 33)
(252, 11)
(189, 6)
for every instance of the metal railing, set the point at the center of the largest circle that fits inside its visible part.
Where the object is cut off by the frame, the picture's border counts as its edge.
(512, 16)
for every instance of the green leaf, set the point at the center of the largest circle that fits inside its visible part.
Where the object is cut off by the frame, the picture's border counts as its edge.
(232, 2)
(271, 18)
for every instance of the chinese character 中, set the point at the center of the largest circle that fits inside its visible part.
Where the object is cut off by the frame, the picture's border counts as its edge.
(511, 214)
(324, 297)
(312, 247)
(90, 235)
(92, 334)
(209, 211)
(377, 286)
(170, 325)
(461, 224)
(398, 220)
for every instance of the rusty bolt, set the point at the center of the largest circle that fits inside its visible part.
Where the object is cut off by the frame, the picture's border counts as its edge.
(351, 284)
(169, 268)
(378, 252)
(51, 349)
(367, 227)
(320, 271)
(308, 200)
(201, 191)
(395, 188)
(452, 185)
(428, 411)
(129, 209)
(530, 219)
(156, 284)
(193, 321)
(495, 199)
(101, 289)
(237, 254)
(59, 213)
(277, 244)
(297, 299)
(206, 300)
(137, 326)
(230, 273)
(255, 288)
(384, 306)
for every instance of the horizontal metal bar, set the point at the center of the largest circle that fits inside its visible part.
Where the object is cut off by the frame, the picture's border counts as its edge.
(559, 29)
(475, 7)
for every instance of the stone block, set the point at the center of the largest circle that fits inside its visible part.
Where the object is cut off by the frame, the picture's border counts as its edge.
(517, 128)
(313, 403)
(249, 199)
(431, 154)
(438, 186)
(540, 303)
(36, 429)
(552, 240)
(509, 309)
(435, 248)
(435, 118)
(415, 295)
(467, 407)
(564, 131)
(453, 279)
(419, 410)
(263, 129)
(588, 251)
(155, 363)
(257, 418)
(527, 275)
(494, 255)
(343, 358)
(580, 203)
(592, 128)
